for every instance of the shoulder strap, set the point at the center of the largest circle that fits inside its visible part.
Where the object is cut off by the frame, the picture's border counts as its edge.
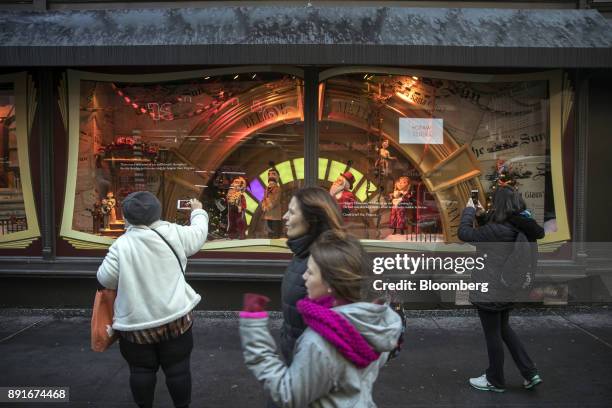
(172, 249)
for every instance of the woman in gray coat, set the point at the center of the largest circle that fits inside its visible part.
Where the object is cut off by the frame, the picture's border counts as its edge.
(338, 357)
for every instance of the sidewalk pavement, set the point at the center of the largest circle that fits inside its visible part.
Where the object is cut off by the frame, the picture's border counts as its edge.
(572, 347)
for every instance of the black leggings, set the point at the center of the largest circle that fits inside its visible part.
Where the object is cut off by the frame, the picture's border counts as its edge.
(144, 361)
(497, 329)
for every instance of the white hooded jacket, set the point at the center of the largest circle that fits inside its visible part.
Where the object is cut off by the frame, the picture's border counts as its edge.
(151, 288)
(319, 376)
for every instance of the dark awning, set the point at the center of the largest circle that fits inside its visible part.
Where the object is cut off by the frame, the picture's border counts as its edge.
(307, 35)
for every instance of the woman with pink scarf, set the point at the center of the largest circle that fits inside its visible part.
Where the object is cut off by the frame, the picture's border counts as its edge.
(347, 341)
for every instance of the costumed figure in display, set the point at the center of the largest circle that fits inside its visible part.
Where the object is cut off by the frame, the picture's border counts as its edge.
(109, 210)
(341, 191)
(112, 202)
(271, 206)
(97, 216)
(383, 163)
(402, 200)
(236, 206)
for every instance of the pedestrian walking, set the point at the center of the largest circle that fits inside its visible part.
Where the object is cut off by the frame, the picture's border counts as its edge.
(311, 211)
(496, 238)
(153, 308)
(338, 357)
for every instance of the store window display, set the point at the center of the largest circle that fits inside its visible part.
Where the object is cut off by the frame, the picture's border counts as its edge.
(399, 150)
(12, 209)
(18, 220)
(211, 135)
(421, 141)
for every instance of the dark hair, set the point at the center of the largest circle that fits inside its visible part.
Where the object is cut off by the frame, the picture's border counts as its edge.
(343, 263)
(506, 202)
(319, 210)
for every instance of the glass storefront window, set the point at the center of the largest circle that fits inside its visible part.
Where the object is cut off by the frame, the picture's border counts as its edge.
(233, 139)
(18, 223)
(402, 152)
(12, 210)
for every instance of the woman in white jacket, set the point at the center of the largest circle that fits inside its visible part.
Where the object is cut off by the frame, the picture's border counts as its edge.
(338, 357)
(153, 308)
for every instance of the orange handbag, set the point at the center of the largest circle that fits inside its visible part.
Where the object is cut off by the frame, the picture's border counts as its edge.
(102, 334)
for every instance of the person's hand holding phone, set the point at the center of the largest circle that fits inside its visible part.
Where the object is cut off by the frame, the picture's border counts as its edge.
(480, 210)
(195, 204)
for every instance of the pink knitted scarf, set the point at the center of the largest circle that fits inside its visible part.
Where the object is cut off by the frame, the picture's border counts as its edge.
(336, 329)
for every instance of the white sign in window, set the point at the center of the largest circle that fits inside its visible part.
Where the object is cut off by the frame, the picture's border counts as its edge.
(420, 131)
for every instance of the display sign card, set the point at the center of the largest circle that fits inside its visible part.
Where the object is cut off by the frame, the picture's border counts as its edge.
(420, 131)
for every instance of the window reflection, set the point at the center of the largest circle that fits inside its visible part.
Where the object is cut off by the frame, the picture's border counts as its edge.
(12, 207)
(233, 141)
(402, 152)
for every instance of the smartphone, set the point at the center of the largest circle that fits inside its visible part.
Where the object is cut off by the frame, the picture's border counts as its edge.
(183, 205)
(475, 197)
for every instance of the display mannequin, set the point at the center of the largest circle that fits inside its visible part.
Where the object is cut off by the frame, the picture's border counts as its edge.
(271, 206)
(383, 163)
(341, 191)
(236, 206)
(400, 199)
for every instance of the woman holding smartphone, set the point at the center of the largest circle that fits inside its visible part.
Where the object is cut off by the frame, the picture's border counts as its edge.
(496, 238)
(153, 308)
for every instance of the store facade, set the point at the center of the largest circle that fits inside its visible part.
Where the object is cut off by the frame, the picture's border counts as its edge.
(399, 119)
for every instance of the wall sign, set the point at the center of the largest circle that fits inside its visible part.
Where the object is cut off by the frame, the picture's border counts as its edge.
(420, 131)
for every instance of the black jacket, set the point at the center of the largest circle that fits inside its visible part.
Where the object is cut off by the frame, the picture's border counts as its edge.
(292, 290)
(528, 226)
(495, 242)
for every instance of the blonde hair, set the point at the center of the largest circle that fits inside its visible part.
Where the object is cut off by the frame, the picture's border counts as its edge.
(343, 263)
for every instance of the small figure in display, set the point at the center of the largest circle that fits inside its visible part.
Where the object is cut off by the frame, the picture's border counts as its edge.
(401, 199)
(105, 209)
(341, 191)
(271, 206)
(97, 216)
(109, 210)
(383, 163)
(112, 203)
(236, 206)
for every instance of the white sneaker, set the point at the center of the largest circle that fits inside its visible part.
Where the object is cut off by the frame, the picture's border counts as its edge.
(481, 383)
(535, 380)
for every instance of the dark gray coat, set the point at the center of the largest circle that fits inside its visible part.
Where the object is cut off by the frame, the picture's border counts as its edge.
(497, 242)
(292, 290)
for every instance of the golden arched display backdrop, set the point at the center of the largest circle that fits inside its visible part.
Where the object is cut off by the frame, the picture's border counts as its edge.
(449, 171)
